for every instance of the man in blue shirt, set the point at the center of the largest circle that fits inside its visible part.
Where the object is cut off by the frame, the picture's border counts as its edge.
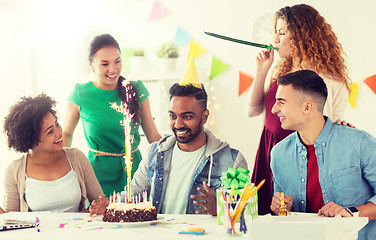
(339, 176)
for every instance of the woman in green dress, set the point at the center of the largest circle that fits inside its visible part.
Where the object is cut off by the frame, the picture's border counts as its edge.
(103, 132)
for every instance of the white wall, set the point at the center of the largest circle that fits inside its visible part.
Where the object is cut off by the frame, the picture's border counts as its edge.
(44, 48)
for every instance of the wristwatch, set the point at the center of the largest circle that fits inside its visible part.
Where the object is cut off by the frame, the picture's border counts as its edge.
(353, 211)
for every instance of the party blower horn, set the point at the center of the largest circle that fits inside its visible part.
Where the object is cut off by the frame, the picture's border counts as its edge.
(241, 41)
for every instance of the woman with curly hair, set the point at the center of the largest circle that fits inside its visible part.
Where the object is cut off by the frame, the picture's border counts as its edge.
(47, 177)
(304, 41)
(104, 135)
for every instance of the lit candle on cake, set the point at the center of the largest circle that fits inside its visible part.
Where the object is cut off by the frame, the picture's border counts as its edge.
(128, 139)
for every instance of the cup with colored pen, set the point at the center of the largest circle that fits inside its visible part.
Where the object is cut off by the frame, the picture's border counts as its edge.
(235, 218)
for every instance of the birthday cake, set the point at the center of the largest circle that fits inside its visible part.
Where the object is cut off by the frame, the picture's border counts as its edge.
(133, 210)
(130, 212)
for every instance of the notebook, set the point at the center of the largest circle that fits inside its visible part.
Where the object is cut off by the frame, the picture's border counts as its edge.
(9, 224)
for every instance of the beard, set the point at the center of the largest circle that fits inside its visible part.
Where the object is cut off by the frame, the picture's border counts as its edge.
(190, 136)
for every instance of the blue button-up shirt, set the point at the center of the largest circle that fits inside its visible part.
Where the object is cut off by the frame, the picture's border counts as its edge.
(346, 158)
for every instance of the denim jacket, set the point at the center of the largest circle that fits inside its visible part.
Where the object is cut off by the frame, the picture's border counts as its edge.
(346, 158)
(153, 172)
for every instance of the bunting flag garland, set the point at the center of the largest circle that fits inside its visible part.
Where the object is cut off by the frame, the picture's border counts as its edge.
(217, 67)
(195, 50)
(245, 82)
(354, 92)
(158, 11)
(371, 82)
(181, 37)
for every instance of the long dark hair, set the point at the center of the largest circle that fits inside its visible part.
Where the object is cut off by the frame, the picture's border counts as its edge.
(106, 40)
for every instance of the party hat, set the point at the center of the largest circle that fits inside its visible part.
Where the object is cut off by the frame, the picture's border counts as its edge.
(190, 75)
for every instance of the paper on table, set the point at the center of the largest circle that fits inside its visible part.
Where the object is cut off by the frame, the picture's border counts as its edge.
(26, 216)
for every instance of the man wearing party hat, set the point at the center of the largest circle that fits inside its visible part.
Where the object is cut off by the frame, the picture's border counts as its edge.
(183, 170)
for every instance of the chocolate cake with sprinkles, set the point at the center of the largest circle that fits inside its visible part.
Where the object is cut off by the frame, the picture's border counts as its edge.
(130, 212)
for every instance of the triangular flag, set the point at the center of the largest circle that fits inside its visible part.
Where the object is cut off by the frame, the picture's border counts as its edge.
(158, 11)
(354, 92)
(195, 49)
(190, 75)
(181, 37)
(371, 82)
(245, 82)
(217, 67)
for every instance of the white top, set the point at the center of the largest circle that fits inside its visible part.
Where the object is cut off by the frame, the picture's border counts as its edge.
(335, 105)
(183, 166)
(336, 101)
(61, 195)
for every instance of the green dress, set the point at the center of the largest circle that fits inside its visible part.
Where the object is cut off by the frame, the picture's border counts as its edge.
(103, 132)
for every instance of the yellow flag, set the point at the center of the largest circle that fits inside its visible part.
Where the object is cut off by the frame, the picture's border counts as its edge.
(354, 92)
(195, 49)
(190, 74)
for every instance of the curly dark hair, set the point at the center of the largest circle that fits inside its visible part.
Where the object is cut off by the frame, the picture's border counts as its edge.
(313, 41)
(24, 121)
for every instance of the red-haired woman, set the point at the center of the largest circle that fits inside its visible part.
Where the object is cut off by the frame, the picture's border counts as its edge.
(304, 41)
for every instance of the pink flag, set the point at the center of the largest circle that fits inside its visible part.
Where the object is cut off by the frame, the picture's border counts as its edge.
(158, 11)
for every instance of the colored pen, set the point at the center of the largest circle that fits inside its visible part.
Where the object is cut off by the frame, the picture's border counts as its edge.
(241, 41)
(232, 193)
(228, 212)
(37, 225)
(282, 210)
(258, 187)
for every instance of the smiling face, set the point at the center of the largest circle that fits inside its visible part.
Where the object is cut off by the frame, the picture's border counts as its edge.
(187, 119)
(289, 107)
(282, 39)
(107, 66)
(51, 137)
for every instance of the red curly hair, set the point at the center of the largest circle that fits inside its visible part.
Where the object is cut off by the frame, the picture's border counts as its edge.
(312, 42)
